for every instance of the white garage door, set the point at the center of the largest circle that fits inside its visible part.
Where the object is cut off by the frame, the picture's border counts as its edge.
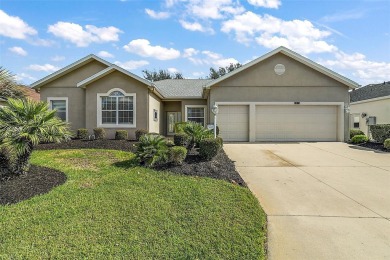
(296, 123)
(233, 123)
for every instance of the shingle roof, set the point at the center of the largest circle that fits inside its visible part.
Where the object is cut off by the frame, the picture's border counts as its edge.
(370, 91)
(171, 88)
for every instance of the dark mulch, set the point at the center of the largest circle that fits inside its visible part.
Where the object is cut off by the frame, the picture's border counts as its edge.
(375, 146)
(38, 180)
(109, 144)
(220, 167)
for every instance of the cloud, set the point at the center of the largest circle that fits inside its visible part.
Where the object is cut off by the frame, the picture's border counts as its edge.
(45, 67)
(20, 77)
(207, 58)
(57, 58)
(132, 64)
(82, 37)
(157, 15)
(266, 3)
(195, 26)
(272, 32)
(364, 70)
(14, 27)
(105, 54)
(216, 9)
(189, 52)
(18, 50)
(173, 70)
(343, 16)
(143, 48)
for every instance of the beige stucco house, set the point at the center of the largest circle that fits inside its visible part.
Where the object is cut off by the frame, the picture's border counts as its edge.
(370, 105)
(281, 96)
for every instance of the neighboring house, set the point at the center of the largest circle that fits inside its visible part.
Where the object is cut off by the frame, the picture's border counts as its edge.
(30, 93)
(281, 96)
(371, 101)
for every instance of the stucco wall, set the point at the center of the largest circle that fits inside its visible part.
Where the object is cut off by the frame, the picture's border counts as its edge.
(129, 85)
(154, 104)
(378, 108)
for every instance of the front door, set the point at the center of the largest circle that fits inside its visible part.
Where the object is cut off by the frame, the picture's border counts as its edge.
(172, 119)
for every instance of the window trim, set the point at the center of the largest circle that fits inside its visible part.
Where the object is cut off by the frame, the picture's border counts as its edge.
(195, 106)
(66, 99)
(353, 121)
(99, 109)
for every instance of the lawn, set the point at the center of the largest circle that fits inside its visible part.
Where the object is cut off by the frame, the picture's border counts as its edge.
(111, 209)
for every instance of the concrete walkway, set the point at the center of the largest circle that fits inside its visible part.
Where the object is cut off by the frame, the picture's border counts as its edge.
(323, 200)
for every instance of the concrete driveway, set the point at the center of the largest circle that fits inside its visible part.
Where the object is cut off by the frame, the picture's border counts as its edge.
(323, 200)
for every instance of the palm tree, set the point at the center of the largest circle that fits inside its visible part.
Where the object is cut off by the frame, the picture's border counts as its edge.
(26, 123)
(8, 85)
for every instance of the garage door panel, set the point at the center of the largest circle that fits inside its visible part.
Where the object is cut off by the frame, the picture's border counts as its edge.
(296, 123)
(233, 122)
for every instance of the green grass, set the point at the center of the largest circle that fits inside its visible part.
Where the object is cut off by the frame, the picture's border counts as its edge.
(108, 209)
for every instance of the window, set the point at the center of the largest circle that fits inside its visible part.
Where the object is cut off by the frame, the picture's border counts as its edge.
(196, 114)
(155, 115)
(356, 120)
(116, 109)
(61, 105)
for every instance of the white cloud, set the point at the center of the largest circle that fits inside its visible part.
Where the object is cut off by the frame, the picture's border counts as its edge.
(189, 52)
(14, 27)
(57, 58)
(20, 77)
(40, 42)
(346, 15)
(224, 62)
(208, 58)
(45, 67)
(173, 70)
(266, 3)
(82, 37)
(157, 15)
(364, 70)
(105, 54)
(143, 48)
(195, 26)
(272, 32)
(132, 64)
(18, 50)
(216, 9)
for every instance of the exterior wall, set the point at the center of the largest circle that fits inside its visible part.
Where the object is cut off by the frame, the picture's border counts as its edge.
(154, 104)
(378, 107)
(129, 85)
(299, 83)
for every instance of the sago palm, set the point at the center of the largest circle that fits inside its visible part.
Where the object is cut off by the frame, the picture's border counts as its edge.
(26, 123)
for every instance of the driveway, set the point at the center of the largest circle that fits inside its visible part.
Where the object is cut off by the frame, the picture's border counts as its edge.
(323, 200)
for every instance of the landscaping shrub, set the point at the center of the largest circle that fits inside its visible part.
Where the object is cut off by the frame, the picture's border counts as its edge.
(121, 135)
(208, 148)
(99, 133)
(181, 139)
(152, 150)
(358, 139)
(139, 133)
(169, 143)
(386, 144)
(354, 132)
(196, 133)
(179, 127)
(177, 154)
(5, 162)
(82, 133)
(220, 141)
(380, 132)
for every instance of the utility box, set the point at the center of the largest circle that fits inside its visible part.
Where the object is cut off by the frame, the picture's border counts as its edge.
(371, 120)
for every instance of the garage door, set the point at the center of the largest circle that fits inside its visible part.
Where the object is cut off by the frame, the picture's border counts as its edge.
(233, 123)
(296, 123)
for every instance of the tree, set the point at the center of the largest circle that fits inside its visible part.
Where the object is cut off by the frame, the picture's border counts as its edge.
(23, 125)
(161, 75)
(8, 85)
(214, 74)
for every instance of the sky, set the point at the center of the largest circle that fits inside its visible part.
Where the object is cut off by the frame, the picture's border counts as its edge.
(351, 37)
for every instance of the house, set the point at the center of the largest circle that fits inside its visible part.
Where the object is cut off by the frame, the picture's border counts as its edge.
(370, 105)
(29, 93)
(280, 96)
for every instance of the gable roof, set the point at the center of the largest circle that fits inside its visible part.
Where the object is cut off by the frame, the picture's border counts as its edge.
(370, 91)
(67, 69)
(350, 83)
(181, 88)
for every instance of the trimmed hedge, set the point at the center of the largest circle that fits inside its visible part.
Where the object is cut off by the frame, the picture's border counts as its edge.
(177, 154)
(99, 133)
(208, 148)
(121, 135)
(358, 139)
(354, 132)
(139, 133)
(386, 144)
(181, 139)
(220, 141)
(380, 132)
(82, 133)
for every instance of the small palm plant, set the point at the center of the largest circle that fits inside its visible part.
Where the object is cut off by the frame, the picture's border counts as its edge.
(152, 150)
(26, 123)
(196, 133)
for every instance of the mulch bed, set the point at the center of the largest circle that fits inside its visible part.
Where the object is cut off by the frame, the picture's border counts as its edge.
(375, 146)
(109, 144)
(39, 180)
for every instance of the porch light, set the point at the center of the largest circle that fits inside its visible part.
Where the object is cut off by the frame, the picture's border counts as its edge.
(214, 109)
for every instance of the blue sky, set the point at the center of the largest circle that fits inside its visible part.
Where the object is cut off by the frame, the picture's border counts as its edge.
(190, 36)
